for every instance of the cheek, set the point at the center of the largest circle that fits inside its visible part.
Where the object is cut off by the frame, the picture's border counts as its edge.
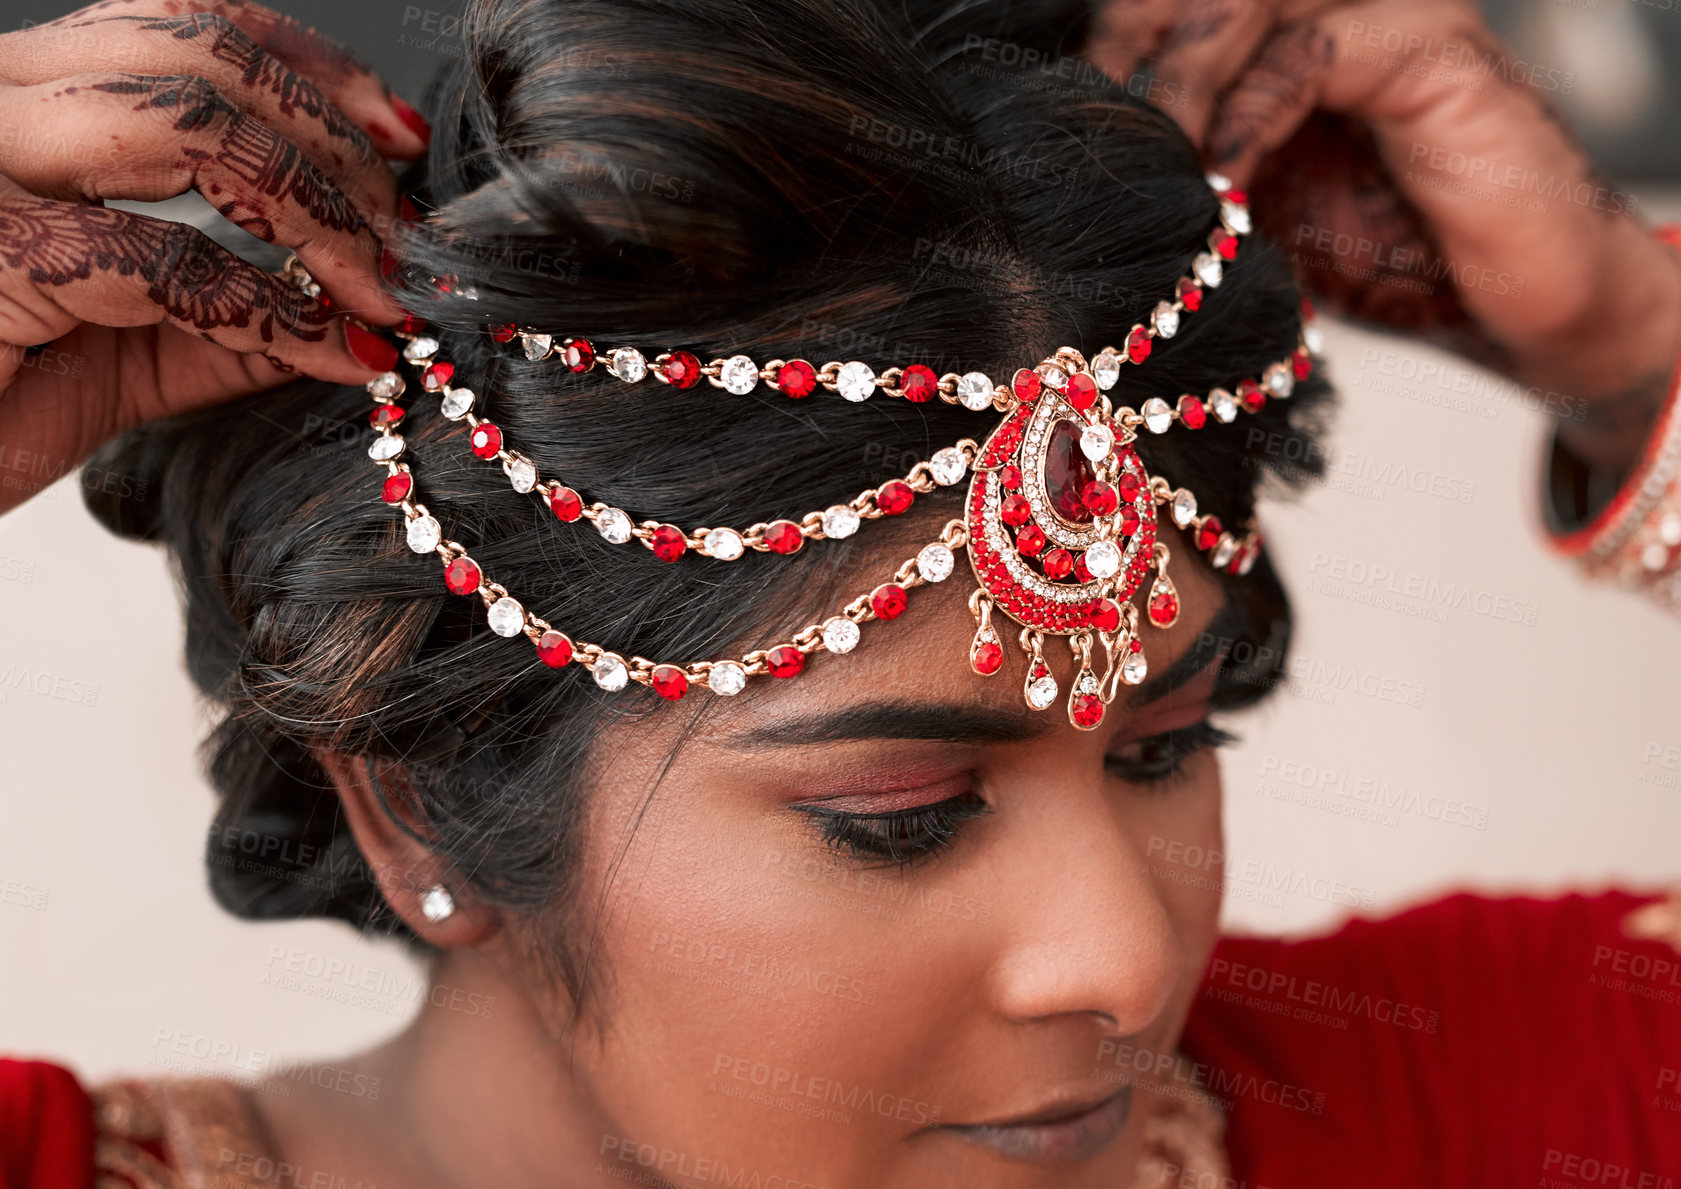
(1182, 837)
(734, 982)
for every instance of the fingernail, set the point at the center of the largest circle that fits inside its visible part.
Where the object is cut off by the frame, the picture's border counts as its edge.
(416, 122)
(370, 349)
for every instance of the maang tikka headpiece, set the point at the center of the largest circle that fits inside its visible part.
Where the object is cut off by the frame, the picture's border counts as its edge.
(1059, 523)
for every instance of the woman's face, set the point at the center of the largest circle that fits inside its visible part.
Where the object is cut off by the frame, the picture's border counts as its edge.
(875, 926)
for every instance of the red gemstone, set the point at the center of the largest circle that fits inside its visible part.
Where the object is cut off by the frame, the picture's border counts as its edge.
(1238, 196)
(397, 487)
(785, 661)
(385, 415)
(1026, 385)
(1192, 413)
(1190, 294)
(410, 325)
(577, 355)
(1137, 645)
(669, 543)
(462, 576)
(1129, 520)
(669, 682)
(1030, 540)
(1100, 498)
(1138, 345)
(1067, 472)
(504, 333)
(1209, 534)
(681, 370)
(987, 657)
(1224, 243)
(919, 384)
(784, 536)
(1087, 710)
(1081, 391)
(888, 601)
(1014, 510)
(1302, 363)
(1130, 485)
(1164, 608)
(894, 497)
(1059, 563)
(1249, 392)
(566, 503)
(1010, 476)
(1081, 572)
(1106, 615)
(437, 376)
(486, 440)
(554, 649)
(796, 378)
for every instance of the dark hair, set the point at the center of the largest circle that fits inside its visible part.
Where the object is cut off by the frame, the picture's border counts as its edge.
(823, 179)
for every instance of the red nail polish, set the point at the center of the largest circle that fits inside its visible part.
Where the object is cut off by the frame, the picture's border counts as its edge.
(416, 122)
(370, 349)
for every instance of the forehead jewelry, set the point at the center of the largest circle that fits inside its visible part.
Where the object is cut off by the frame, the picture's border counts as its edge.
(1059, 526)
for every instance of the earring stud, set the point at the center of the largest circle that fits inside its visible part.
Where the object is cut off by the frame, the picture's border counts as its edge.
(437, 905)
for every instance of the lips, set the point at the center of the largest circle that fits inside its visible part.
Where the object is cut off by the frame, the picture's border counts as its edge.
(1057, 1134)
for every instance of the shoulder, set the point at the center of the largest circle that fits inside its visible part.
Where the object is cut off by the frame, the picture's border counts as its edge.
(1525, 1036)
(165, 1133)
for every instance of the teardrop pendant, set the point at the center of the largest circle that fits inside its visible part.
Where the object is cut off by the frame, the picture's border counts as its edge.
(1039, 689)
(1085, 704)
(986, 651)
(1164, 596)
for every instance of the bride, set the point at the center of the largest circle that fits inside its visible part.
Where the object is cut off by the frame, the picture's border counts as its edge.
(767, 817)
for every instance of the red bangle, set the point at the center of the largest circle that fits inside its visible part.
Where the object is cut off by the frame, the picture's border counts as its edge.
(1636, 538)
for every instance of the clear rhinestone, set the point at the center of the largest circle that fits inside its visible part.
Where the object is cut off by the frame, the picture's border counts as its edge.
(1251, 553)
(1224, 550)
(521, 472)
(840, 635)
(423, 347)
(1184, 507)
(975, 391)
(1281, 379)
(1158, 415)
(840, 522)
(1106, 369)
(1097, 442)
(387, 387)
(1055, 377)
(1236, 217)
(1224, 405)
(1313, 339)
(627, 364)
(1655, 557)
(727, 678)
(425, 534)
(1103, 559)
(1669, 529)
(723, 544)
(856, 381)
(1166, 319)
(1135, 668)
(1042, 692)
(739, 374)
(1218, 181)
(1208, 270)
(506, 616)
(610, 672)
(457, 403)
(615, 526)
(437, 905)
(386, 447)
(935, 563)
(947, 466)
(537, 346)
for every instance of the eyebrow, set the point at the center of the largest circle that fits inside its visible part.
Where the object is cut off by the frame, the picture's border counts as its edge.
(950, 723)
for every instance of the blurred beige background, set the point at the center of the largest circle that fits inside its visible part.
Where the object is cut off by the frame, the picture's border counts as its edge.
(1523, 738)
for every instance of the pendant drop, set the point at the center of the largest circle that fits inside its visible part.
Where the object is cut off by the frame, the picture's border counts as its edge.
(1163, 602)
(1135, 668)
(1040, 688)
(986, 651)
(1085, 703)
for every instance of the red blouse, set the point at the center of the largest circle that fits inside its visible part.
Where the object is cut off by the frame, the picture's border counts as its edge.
(1467, 1044)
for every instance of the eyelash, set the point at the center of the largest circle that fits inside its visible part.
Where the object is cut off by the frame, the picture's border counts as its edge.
(906, 835)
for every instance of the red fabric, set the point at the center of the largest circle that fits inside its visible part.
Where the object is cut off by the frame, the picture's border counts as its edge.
(46, 1128)
(1468, 1043)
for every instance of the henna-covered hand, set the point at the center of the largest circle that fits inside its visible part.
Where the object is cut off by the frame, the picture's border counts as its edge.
(278, 129)
(1422, 179)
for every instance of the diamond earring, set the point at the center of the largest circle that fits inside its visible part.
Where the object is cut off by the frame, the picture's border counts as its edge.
(437, 904)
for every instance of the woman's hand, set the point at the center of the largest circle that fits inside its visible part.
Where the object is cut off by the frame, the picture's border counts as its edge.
(1418, 173)
(277, 128)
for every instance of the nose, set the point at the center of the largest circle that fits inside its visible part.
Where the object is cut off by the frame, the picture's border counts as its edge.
(1087, 931)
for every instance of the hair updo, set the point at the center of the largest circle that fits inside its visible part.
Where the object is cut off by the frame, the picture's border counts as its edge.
(792, 178)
